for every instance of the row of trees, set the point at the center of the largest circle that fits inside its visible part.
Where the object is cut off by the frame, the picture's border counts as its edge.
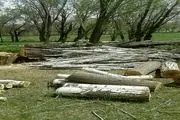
(133, 20)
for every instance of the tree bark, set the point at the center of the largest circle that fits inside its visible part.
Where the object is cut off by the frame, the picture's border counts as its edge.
(136, 93)
(91, 78)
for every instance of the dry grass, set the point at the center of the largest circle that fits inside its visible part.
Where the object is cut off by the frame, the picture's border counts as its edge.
(36, 102)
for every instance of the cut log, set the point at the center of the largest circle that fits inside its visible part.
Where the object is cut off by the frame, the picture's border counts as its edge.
(148, 43)
(137, 93)
(1, 86)
(92, 78)
(142, 77)
(171, 70)
(3, 99)
(62, 76)
(14, 83)
(7, 58)
(144, 69)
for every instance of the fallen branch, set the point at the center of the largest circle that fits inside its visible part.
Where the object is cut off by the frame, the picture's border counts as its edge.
(95, 114)
(129, 114)
(92, 78)
(138, 93)
(14, 83)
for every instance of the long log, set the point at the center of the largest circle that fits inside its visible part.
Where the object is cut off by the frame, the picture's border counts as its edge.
(92, 78)
(14, 83)
(149, 43)
(144, 69)
(137, 93)
(142, 77)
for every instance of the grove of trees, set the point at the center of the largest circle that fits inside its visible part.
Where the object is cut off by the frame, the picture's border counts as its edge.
(128, 20)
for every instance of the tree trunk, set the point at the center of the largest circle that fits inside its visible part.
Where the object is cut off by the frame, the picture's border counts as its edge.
(141, 77)
(136, 93)
(98, 30)
(16, 36)
(80, 34)
(91, 78)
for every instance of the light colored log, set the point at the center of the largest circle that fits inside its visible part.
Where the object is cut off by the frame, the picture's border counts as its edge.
(62, 76)
(145, 68)
(3, 99)
(171, 70)
(14, 83)
(93, 78)
(142, 77)
(138, 93)
(1, 86)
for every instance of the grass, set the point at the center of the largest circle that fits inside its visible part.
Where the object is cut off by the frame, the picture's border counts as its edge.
(8, 46)
(36, 102)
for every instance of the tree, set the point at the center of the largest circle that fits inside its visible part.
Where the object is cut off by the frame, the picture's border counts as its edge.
(64, 23)
(84, 9)
(107, 10)
(147, 16)
(43, 13)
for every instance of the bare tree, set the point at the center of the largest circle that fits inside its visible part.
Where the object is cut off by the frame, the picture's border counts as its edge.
(43, 13)
(146, 17)
(107, 10)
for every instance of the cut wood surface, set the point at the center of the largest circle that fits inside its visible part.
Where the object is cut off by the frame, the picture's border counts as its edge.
(93, 78)
(144, 69)
(171, 70)
(14, 83)
(105, 91)
(7, 58)
(141, 77)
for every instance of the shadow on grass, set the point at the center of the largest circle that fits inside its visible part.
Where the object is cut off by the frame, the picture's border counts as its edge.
(173, 84)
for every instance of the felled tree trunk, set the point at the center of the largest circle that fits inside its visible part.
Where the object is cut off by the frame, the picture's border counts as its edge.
(92, 78)
(14, 83)
(142, 77)
(105, 91)
(171, 70)
(7, 58)
(144, 69)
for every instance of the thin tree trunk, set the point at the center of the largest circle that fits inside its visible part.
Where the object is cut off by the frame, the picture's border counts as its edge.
(80, 34)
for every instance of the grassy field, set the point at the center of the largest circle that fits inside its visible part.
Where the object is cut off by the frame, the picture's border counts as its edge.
(36, 102)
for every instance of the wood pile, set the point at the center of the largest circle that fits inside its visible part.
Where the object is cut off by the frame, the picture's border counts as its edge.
(93, 83)
(9, 84)
(99, 57)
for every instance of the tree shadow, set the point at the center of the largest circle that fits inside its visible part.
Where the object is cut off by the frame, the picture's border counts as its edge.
(173, 84)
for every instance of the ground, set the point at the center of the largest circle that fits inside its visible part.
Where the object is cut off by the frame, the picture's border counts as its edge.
(37, 103)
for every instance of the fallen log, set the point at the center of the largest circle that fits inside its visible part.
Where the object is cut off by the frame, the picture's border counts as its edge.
(148, 43)
(3, 99)
(142, 77)
(7, 58)
(14, 83)
(171, 70)
(92, 78)
(62, 76)
(144, 69)
(137, 93)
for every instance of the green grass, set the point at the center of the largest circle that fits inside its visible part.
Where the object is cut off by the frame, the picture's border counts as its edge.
(36, 102)
(166, 36)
